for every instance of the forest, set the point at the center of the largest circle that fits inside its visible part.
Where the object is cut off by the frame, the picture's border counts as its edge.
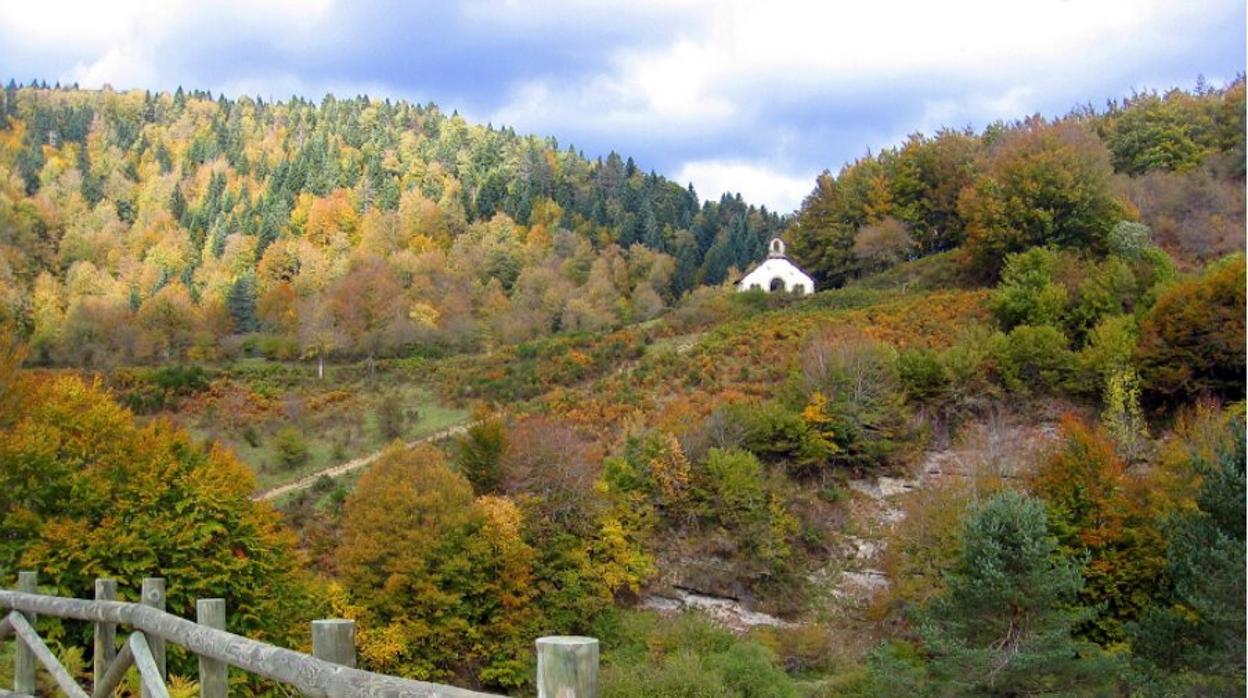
(152, 228)
(1001, 452)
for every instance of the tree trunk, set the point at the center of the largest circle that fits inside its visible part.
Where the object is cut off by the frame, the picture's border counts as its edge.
(320, 365)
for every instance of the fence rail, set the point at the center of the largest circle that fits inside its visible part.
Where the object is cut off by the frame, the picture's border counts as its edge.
(329, 672)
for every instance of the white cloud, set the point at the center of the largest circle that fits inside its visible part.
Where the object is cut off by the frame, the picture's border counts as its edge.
(747, 95)
(758, 183)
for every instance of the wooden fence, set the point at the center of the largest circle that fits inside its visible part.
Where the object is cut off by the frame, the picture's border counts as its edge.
(567, 666)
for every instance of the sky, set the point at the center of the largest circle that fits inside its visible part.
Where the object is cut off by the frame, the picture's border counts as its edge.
(749, 97)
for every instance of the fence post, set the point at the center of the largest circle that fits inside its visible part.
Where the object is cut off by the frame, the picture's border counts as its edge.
(567, 667)
(24, 662)
(105, 647)
(334, 641)
(213, 673)
(154, 596)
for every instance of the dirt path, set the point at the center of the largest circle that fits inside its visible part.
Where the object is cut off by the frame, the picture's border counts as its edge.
(343, 468)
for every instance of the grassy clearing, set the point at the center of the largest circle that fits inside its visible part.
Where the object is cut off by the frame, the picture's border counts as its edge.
(286, 423)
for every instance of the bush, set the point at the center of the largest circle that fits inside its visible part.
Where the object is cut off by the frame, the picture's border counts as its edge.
(1027, 293)
(479, 454)
(923, 377)
(1192, 340)
(1128, 239)
(390, 416)
(1033, 359)
(687, 656)
(291, 447)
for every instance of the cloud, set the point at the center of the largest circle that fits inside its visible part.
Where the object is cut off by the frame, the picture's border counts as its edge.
(756, 182)
(708, 90)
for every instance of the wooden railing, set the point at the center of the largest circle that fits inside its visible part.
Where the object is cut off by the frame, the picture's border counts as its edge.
(567, 667)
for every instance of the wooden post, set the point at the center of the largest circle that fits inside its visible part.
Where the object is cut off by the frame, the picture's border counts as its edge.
(24, 663)
(213, 673)
(334, 641)
(105, 648)
(567, 667)
(154, 596)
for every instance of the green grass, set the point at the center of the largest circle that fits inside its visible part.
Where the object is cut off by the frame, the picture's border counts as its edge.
(335, 433)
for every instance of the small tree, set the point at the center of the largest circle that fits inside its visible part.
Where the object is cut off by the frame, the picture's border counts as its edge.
(878, 246)
(1192, 341)
(479, 454)
(1004, 623)
(1200, 632)
(1028, 294)
(291, 447)
(390, 416)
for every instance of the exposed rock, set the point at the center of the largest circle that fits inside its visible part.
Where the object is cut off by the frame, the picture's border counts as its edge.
(728, 612)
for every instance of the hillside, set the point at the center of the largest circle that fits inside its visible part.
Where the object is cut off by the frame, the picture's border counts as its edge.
(140, 227)
(1001, 452)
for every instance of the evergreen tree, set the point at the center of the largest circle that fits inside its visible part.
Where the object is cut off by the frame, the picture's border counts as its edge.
(241, 302)
(1197, 639)
(1004, 624)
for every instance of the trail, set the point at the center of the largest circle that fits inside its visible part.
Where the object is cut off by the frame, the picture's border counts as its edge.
(343, 468)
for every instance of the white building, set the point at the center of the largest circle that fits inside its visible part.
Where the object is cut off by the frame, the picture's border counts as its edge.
(777, 273)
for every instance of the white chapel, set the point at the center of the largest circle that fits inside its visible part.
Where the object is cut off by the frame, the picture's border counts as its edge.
(777, 273)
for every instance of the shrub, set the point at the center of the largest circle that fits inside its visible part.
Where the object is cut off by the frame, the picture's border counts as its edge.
(479, 454)
(291, 447)
(1192, 340)
(1128, 239)
(1033, 359)
(923, 377)
(736, 483)
(1027, 293)
(390, 416)
(688, 656)
(1108, 288)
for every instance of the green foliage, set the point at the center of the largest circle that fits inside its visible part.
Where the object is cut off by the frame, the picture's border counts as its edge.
(736, 484)
(1110, 348)
(479, 454)
(1122, 416)
(1174, 131)
(291, 446)
(923, 376)
(1128, 239)
(1192, 340)
(776, 433)
(1027, 293)
(1193, 644)
(1003, 625)
(854, 406)
(241, 301)
(1032, 360)
(687, 656)
(152, 390)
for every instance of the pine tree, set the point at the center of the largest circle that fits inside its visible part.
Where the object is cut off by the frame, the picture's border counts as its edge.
(1004, 624)
(241, 302)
